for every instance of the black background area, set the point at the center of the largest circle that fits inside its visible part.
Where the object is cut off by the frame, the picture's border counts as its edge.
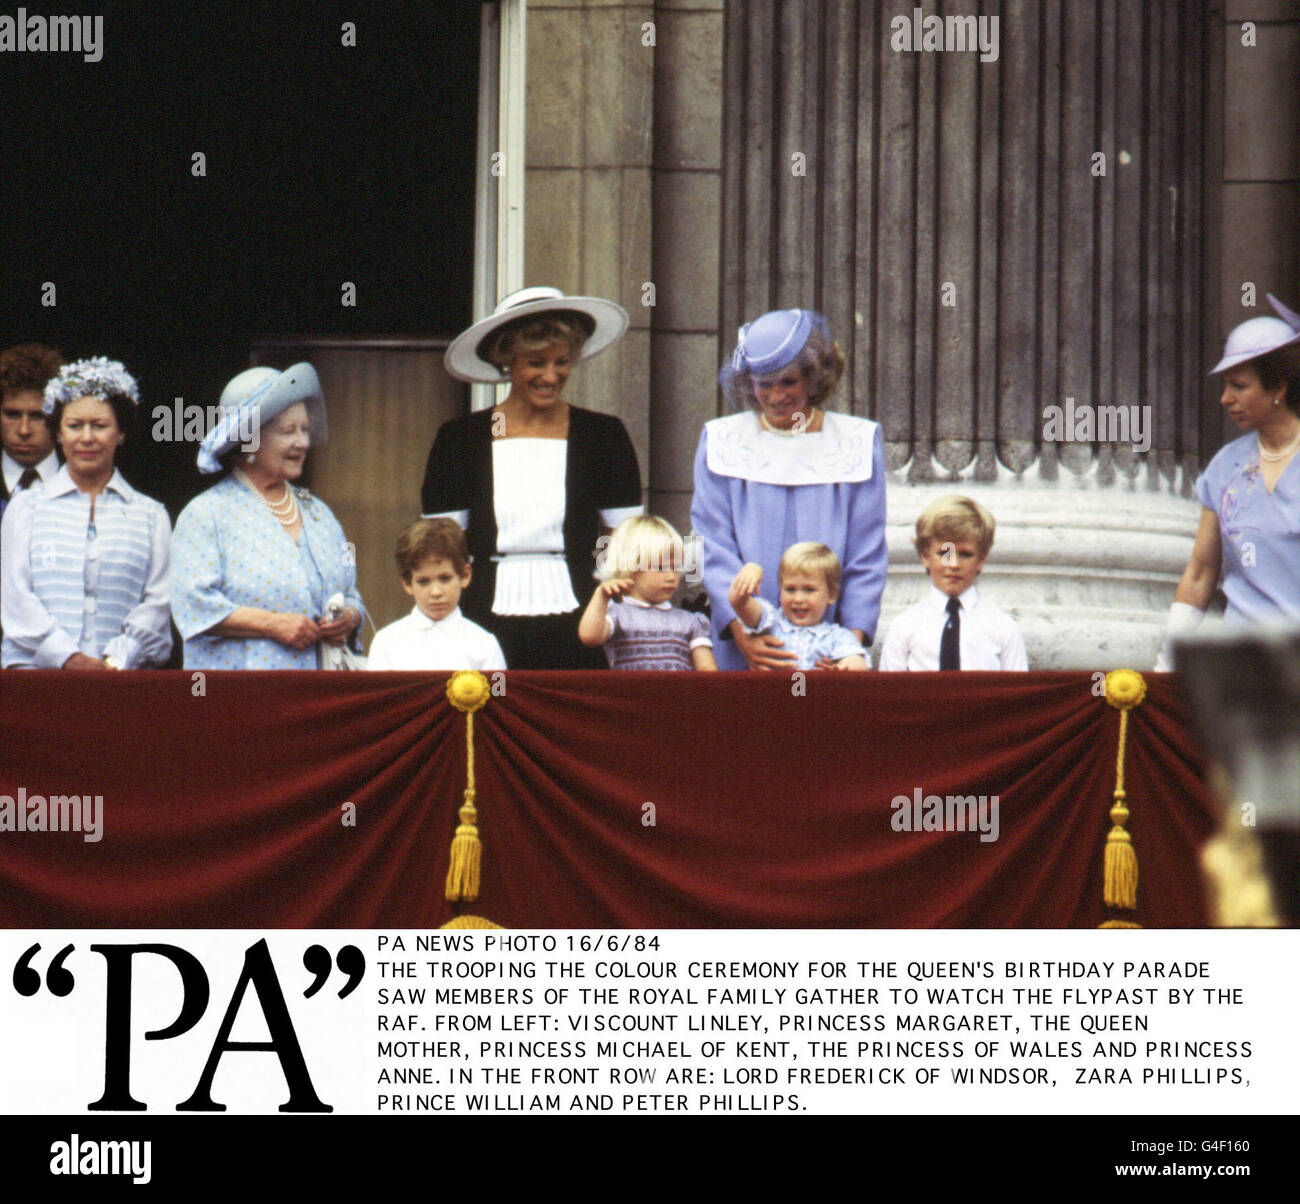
(325, 164)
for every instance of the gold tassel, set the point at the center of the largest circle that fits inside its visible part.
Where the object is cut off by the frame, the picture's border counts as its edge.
(467, 691)
(1121, 874)
(1125, 690)
(465, 870)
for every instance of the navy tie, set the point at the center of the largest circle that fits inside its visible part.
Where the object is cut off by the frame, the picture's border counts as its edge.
(29, 478)
(950, 644)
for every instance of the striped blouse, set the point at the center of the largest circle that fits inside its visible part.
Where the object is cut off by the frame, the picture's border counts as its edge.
(70, 584)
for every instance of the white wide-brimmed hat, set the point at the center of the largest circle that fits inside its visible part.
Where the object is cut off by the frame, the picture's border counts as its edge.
(254, 398)
(466, 358)
(1253, 338)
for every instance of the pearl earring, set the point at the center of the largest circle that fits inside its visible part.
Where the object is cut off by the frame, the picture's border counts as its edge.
(250, 457)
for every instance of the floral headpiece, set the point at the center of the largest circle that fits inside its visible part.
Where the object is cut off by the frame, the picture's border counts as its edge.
(98, 377)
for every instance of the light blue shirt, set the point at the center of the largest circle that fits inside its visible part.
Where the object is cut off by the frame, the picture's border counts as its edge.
(231, 551)
(70, 584)
(1260, 533)
(821, 641)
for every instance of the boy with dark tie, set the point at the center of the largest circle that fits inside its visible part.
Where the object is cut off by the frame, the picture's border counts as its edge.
(952, 627)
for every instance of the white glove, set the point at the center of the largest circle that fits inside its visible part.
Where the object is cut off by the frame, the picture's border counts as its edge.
(1183, 619)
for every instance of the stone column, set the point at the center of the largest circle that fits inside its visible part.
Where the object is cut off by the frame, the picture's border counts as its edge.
(1259, 159)
(1003, 241)
(587, 208)
(687, 206)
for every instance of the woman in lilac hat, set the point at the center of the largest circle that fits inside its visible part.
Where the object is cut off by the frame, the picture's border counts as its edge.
(784, 470)
(1250, 492)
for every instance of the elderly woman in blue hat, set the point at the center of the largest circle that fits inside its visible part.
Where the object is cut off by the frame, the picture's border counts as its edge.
(1249, 532)
(85, 575)
(257, 559)
(785, 470)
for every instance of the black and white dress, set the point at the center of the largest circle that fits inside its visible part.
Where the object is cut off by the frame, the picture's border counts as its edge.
(533, 510)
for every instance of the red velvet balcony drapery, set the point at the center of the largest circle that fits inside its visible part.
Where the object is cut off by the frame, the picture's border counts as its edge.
(225, 801)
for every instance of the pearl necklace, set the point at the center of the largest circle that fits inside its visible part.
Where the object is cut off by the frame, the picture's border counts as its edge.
(1277, 455)
(285, 510)
(806, 429)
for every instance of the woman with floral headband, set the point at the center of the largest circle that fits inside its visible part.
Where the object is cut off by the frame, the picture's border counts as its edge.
(85, 575)
(259, 560)
(785, 471)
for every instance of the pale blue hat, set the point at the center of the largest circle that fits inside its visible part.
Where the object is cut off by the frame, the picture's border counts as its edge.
(252, 399)
(1253, 338)
(1289, 316)
(766, 345)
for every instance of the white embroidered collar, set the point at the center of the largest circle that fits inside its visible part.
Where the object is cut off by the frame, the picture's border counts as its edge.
(633, 601)
(840, 452)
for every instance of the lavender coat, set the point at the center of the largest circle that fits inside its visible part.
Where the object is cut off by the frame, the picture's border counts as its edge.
(756, 493)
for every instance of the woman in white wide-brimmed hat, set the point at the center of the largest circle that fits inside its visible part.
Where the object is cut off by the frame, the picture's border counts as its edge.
(535, 479)
(85, 580)
(255, 558)
(1250, 492)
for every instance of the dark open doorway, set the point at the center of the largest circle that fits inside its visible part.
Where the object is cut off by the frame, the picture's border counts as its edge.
(325, 164)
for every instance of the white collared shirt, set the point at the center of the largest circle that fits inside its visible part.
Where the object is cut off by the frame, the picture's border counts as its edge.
(419, 642)
(46, 469)
(990, 638)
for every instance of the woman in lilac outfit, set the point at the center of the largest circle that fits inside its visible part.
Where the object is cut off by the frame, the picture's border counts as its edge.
(784, 470)
(1249, 533)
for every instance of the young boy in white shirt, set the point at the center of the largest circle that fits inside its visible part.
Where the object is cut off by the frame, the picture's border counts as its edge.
(433, 561)
(952, 627)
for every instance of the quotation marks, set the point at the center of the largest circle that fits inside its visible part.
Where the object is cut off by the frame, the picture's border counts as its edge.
(27, 979)
(318, 962)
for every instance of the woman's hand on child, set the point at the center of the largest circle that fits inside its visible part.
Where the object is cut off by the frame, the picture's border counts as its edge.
(764, 651)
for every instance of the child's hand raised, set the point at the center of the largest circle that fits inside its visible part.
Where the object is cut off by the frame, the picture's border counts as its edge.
(746, 583)
(616, 587)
